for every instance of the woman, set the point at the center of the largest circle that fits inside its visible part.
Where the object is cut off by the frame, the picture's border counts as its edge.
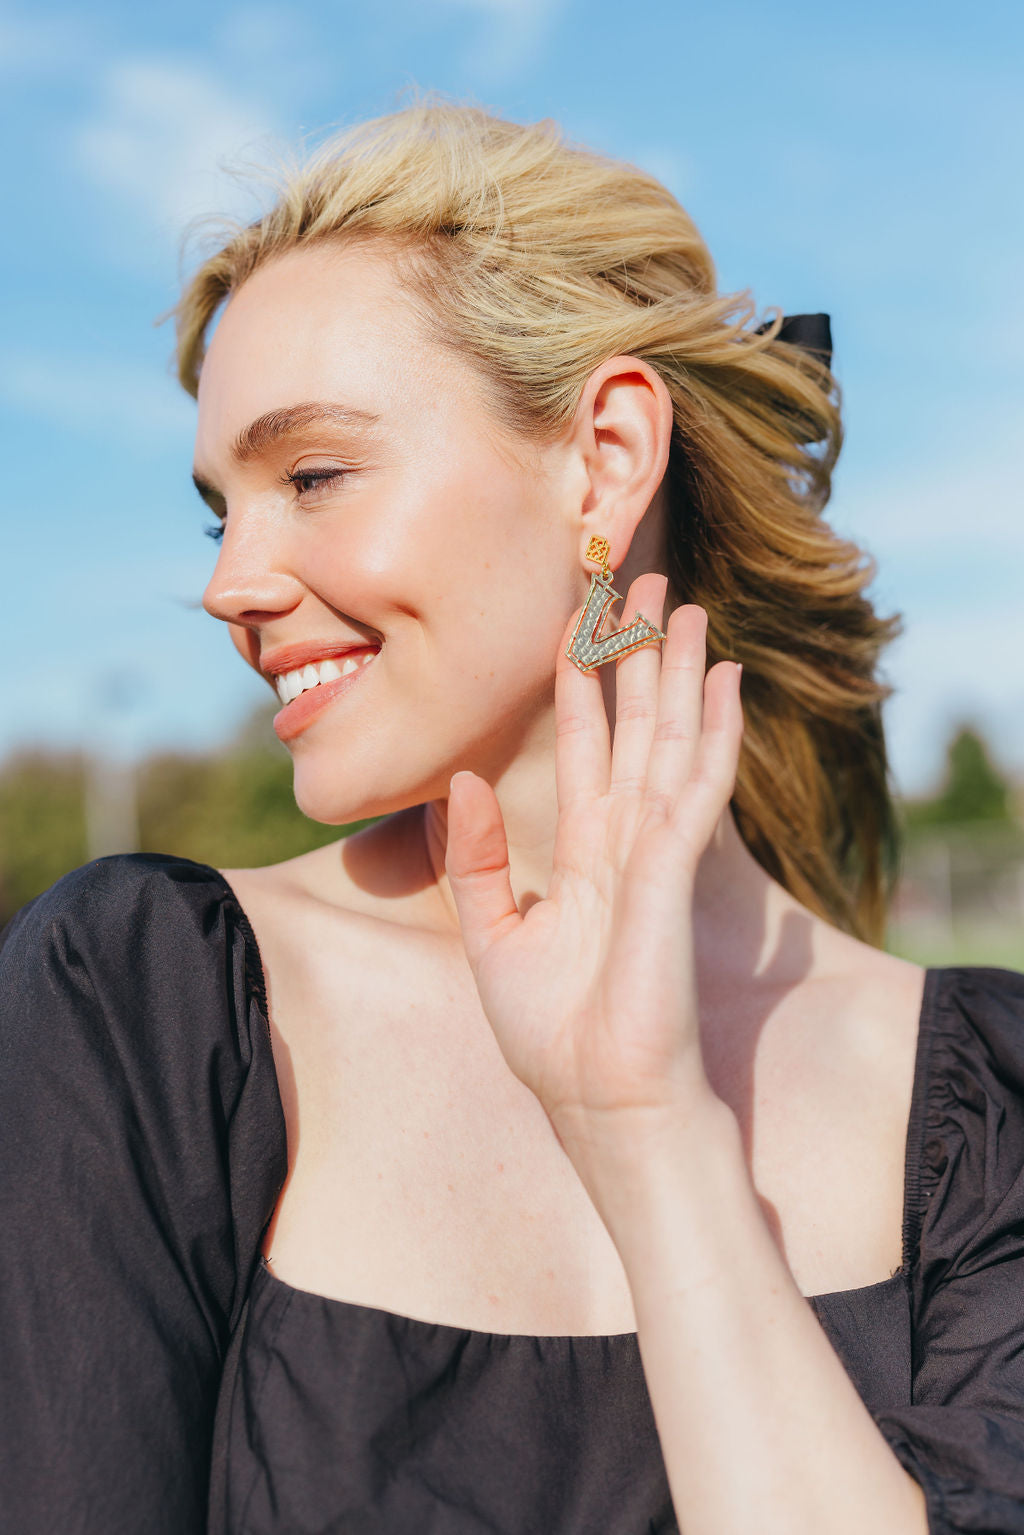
(561, 1153)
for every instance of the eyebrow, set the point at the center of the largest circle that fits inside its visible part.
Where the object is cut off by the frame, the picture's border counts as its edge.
(259, 435)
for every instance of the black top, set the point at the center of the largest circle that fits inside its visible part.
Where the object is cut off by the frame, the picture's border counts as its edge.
(144, 1344)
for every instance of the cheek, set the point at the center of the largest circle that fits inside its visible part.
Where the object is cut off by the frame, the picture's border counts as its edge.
(492, 643)
(505, 586)
(246, 643)
(478, 574)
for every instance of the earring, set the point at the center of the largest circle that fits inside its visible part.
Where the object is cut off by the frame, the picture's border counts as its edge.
(585, 649)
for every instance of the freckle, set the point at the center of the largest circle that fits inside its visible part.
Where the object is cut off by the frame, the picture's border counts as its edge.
(451, 1188)
(426, 1135)
(501, 1167)
(550, 1273)
(494, 1299)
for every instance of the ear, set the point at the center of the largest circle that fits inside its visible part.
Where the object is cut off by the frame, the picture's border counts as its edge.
(623, 431)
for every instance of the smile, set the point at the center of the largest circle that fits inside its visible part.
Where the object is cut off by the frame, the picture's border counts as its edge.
(290, 684)
(308, 690)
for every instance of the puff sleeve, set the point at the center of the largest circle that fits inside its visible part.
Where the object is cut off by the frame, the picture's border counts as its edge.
(962, 1437)
(141, 1151)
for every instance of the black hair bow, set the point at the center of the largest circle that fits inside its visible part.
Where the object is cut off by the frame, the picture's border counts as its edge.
(811, 332)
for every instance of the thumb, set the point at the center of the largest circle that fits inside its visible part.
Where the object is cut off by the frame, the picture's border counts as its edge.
(476, 861)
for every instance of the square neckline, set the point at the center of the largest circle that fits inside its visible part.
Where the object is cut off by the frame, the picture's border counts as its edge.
(934, 979)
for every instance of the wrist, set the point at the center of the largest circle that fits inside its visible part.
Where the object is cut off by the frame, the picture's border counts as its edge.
(631, 1159)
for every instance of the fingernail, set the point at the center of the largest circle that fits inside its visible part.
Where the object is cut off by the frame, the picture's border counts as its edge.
(739, 668)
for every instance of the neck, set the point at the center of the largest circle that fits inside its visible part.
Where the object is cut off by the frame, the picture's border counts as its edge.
(748, 930)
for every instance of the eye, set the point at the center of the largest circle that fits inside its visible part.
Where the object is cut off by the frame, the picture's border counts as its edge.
(308, 481)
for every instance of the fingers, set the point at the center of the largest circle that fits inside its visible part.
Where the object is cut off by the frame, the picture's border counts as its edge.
(680, 704)
(636, 688)
(582, 738)
(677, 729)
(712, 777)
(476, 861)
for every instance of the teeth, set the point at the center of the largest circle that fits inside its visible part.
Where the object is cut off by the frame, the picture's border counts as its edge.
(290, 684)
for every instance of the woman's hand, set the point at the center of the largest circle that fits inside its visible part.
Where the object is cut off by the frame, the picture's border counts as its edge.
(592, 994)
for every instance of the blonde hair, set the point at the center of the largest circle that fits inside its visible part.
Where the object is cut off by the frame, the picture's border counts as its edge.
(538, 260)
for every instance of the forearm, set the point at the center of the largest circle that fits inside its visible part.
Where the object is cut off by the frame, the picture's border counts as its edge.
(760, 1425)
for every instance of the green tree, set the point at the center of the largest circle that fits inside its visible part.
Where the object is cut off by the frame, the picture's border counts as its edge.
(42, 823)
(232, 808)
(973, 790)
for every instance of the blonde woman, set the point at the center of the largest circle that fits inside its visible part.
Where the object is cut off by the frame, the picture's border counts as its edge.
(561, 1154)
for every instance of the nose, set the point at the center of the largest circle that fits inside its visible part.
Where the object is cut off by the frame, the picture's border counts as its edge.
(251, 581)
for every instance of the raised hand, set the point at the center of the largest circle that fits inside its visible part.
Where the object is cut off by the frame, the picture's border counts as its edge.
(591, 993)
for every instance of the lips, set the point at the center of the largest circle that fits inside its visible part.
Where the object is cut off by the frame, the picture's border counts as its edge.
(286, 658)
(297, 715)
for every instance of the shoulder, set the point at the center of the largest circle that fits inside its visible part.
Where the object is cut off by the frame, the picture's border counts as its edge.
(142, 1140)
(973, 1066)
(376, 877)
(966, 1138)
(141, 965)
(101, 896)
(978, 1026)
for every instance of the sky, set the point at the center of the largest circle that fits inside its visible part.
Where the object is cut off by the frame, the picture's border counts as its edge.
(865, 161)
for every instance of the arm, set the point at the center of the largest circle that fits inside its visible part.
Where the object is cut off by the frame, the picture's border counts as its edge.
(592, 997)
(753, 1407)
(760, 1425)
(118, 1080)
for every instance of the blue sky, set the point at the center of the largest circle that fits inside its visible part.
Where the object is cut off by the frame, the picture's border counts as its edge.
(862, 160)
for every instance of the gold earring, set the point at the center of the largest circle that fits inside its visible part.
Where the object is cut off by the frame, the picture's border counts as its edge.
(585, 649)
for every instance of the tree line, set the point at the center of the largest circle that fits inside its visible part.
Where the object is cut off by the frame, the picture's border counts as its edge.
(234, 808)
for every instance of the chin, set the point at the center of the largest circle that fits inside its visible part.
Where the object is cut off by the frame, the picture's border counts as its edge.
(324, 796)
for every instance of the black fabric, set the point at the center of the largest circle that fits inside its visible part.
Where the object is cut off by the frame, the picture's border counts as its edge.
(810, 332)
(142, 1143)
(144, 1344)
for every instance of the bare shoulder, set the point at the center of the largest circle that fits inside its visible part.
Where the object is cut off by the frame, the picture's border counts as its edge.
(857, 1018)
(846, 1039)
(877, 999)
(822, 1089)
(345, 926)
(377, 872)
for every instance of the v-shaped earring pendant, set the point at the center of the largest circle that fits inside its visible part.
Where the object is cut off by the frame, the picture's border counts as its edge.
(585, 649)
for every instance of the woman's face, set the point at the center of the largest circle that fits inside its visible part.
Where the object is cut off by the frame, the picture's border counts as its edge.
(376, 513)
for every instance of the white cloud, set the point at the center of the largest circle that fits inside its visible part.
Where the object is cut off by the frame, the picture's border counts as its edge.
(508, 34)
(950, 551)
(163, 135)
(259, 33)
(948, 668)
(954, 505)
(31, 46)
(78, 393)
(672, 169)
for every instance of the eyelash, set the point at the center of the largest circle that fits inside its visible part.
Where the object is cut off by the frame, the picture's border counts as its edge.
(310, 476)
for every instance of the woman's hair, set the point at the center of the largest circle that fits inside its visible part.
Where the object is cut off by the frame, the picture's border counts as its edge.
(536, 261)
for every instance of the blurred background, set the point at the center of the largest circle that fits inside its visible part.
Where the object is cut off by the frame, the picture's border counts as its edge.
(865, 161)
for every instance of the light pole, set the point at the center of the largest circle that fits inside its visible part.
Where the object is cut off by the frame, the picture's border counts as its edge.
(111, 797)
